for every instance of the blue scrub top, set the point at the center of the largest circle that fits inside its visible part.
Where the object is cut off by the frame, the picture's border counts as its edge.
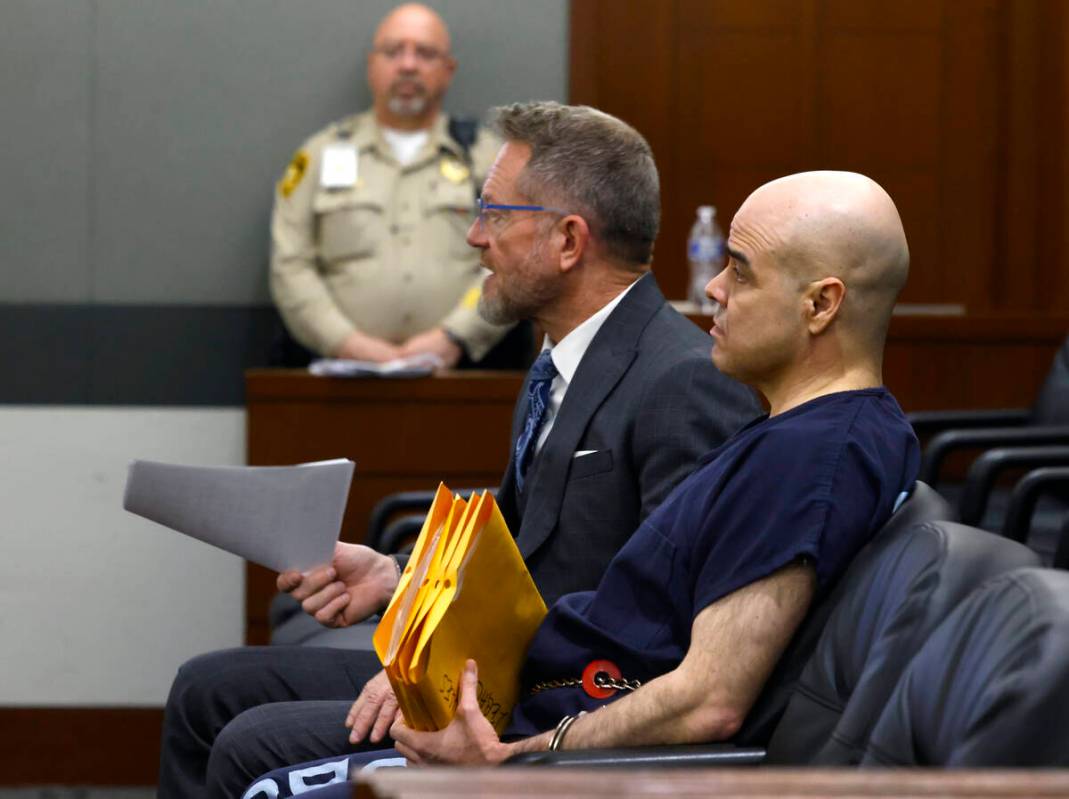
(816, 481)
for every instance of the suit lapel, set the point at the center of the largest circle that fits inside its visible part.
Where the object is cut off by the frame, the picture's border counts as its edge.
(605, 362)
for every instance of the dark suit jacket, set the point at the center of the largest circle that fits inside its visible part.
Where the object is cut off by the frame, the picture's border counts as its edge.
(647, 398)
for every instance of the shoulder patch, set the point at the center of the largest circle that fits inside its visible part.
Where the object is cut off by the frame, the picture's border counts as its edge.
(291, 179)
(453, 170)
(470, 301)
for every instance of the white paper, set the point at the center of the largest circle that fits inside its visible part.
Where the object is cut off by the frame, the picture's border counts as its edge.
(338, 170)
(281, 517)
(413, 366)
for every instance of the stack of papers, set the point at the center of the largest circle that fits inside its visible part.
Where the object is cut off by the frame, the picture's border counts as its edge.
(465, 593)
(281, 517)
(413, 366)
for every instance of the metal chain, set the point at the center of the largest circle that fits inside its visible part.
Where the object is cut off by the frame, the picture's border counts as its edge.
(550, 684)
(601, 680)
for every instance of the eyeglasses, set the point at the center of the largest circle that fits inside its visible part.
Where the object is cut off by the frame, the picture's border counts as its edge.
(493, 214)
(425, 54)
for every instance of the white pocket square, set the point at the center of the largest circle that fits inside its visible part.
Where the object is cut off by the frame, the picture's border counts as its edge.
(579, 453)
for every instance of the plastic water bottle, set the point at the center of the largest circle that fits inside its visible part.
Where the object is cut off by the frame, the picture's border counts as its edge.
(705, 252)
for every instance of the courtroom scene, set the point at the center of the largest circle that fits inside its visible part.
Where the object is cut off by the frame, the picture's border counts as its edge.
(547, 398)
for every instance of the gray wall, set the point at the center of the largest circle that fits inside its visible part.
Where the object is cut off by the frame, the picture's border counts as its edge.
(141, 142)
(142, 139)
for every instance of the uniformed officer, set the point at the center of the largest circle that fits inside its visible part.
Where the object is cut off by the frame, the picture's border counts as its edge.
(368, 255)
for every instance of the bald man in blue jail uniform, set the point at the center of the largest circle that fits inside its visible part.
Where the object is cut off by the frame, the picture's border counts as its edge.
(629, 402)
(694, 612)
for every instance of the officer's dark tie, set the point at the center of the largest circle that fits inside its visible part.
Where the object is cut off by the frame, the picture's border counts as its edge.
(538, 387)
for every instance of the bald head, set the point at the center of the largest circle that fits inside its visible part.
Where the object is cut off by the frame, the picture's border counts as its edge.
(835, 224)
(410, 67)
(816, 262)
(414, 18)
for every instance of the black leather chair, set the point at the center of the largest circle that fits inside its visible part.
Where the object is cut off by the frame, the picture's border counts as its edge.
(923, 505)
(1045, 423)
(986, 470)
(398, 517)
(990, 687)
(897, 591)
(1039, 510)
(1061, 553)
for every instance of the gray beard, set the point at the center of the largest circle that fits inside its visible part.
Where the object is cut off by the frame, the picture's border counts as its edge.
(507, 310)
(498, 311)
(526, 300)
(407, 107)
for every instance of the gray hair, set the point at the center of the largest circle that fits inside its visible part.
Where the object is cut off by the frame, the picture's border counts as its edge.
(592, 164)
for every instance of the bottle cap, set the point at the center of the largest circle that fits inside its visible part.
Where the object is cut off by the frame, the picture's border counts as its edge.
(706, 212)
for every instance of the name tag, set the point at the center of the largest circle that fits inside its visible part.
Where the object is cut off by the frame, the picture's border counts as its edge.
(338, 170)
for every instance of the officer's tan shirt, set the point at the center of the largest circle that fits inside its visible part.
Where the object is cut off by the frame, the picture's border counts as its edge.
(387, 255)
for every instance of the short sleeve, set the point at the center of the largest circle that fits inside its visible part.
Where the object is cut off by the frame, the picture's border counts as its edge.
(820, 498)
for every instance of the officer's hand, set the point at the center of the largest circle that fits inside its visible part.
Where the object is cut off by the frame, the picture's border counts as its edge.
(373, 711)
(436, 342)
(358, 582)
(362, 347)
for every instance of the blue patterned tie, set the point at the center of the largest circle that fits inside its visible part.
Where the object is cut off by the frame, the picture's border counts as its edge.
(542, 373)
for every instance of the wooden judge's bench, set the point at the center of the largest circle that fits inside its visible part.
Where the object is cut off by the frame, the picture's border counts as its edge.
(724, 783)
(412, 433)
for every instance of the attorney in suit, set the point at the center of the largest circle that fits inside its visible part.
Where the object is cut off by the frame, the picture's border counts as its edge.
(617, 409)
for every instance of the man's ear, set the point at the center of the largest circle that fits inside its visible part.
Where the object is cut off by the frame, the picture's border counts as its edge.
(574, 238)
(823, 300)
(450, 65)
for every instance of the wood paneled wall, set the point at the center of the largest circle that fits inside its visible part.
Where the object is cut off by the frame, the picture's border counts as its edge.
(958, 107)
(105, 746)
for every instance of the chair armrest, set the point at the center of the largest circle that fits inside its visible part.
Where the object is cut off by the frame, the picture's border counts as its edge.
(1045, 480)
(391, 505)
(396, 533)
(644, 757)
(1061, 554)
(946, 442)
(986, 469)
(926, 423)
(404, 502)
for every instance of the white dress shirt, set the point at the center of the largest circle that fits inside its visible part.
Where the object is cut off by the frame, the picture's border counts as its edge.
(566, 355)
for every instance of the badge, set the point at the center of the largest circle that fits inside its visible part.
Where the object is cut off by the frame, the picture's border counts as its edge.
(453, 171)
(470, 300)
(338, 170)
(291, 178)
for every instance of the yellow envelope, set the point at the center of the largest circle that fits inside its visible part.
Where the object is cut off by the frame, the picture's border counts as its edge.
(399, 629)
(493, 615)
(429, 588)
(466, 593)
(445, 587)
(408, 699)
(391, 626)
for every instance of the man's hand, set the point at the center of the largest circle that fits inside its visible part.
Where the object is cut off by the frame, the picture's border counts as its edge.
(358, 582)
(373, 711)
(436, 342)
(469, 738)
(362, 347)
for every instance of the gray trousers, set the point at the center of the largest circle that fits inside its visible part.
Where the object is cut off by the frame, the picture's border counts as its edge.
(236, 714)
